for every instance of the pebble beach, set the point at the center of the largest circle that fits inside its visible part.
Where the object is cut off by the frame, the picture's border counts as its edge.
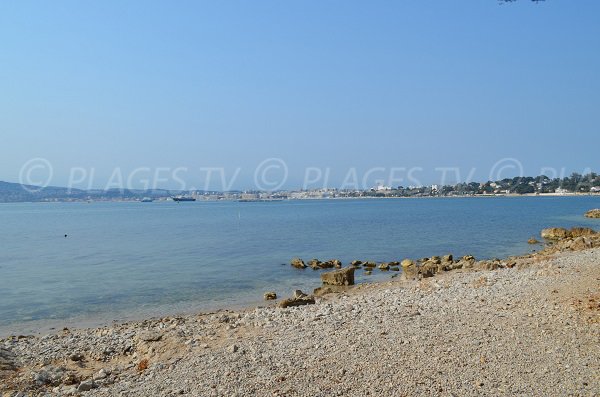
(529, 329)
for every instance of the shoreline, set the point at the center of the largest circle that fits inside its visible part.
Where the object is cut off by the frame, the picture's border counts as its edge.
(37, 328)
(100, 320)
(143, 357)
(166, 200)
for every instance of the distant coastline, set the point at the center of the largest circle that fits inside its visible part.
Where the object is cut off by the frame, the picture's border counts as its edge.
(540, 186)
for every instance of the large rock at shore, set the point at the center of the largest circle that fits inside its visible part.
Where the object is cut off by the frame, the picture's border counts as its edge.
(427, 269)
(555, 233)
(581, 243)
(298, 263)
(409, 269)
(595, 213)
(582, 232)
(339, 277)
(466, 262)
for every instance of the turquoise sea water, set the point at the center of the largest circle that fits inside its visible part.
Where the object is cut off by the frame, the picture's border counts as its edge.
(129, 260)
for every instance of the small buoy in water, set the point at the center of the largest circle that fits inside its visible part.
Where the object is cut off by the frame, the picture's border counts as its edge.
(65, 236)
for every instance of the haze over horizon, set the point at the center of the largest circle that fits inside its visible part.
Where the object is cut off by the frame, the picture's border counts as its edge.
(335, 85)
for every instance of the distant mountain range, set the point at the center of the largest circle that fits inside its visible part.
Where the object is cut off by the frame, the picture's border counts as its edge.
(15, 192)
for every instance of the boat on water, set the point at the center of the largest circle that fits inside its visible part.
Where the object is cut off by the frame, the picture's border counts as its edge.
(183, 198)
(146, 200)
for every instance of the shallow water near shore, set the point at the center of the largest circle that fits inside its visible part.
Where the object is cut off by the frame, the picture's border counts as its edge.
(130, 260)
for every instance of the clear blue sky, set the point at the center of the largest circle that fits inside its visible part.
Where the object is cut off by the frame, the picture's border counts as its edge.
(334, 84)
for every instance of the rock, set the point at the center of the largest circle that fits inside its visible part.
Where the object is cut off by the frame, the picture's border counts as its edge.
(339, 277)
(269, 296)
(76, 357)
(447, 258)
(555, 233)
(314, 264)
(298, 263)
(407, 263)
(394, 268)
(298, 294)
(487, 265)
(7, 360)
(368, 273)
(102, 374)
(85, 386)
(299, 299)
(533, 240)
(454, 266)
(151, 336)
(50, 375)
(510, 264)
(356, 263)
(384, 266)
(581, 243)
(370, 264)
(232, 349)
(466, 262)
(427, 269)
(595, 213)
(70, 378)
(582, 232)
(329, 289)
(409, 269)
(326, 265)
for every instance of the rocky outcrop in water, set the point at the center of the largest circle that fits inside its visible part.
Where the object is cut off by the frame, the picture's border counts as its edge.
(339, 277)
(316, 264)
(595, 213)
(576, 239)
(298, 263)
(269, 296)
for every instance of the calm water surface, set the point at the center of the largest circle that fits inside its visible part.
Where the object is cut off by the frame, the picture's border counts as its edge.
(129, 260)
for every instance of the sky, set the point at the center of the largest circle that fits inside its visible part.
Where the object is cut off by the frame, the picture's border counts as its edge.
(242, 95)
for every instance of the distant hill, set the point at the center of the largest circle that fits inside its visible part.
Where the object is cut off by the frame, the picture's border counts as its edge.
(15, 192)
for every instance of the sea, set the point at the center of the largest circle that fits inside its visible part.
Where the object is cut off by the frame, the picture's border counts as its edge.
(90, 264)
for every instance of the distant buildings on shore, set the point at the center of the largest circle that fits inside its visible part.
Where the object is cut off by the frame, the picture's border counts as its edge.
(541, 185)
